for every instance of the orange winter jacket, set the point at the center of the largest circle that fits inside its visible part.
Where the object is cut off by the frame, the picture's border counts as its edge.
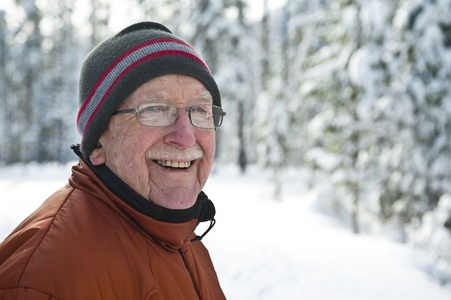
(90, 241)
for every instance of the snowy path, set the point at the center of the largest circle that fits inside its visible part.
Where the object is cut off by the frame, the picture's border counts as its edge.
(269, 250)
(264, 249)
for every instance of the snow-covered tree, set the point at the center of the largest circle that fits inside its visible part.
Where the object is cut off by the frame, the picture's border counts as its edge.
(381, 125)
(271, 109)
(98, 20)
(414, 111)
(61, 60)
(338, 134)
(3, 85)
(38, 82)
(434, 237)
(238, 86)
(26, 85)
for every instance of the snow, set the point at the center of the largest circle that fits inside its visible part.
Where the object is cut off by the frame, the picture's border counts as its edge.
(433, 237)
(266, 249)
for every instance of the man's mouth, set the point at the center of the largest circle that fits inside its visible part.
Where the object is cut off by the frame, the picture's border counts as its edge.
(174, 164)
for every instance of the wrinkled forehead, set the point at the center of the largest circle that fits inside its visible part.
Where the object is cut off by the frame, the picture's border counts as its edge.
(152, 92)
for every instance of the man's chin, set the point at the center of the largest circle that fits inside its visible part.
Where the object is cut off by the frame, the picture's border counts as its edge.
(173, 188)
(175, 198)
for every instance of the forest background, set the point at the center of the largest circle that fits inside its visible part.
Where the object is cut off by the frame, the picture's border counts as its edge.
(355, 91)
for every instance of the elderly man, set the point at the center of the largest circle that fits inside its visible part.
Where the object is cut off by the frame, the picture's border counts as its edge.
(123, 227)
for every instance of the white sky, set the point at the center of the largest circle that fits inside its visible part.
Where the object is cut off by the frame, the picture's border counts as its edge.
(119, 8)
(255, 10)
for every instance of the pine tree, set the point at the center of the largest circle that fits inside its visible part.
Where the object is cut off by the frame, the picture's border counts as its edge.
(98, 20)
(419, 108)
(57, 118)
(3, 87)
(26, 86)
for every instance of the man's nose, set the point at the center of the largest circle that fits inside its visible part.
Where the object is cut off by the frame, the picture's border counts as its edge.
(181, 133)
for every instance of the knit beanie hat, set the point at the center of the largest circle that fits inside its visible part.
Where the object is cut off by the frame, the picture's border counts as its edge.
(122, 63)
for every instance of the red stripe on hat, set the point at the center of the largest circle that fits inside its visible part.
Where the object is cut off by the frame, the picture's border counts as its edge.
(124, 55)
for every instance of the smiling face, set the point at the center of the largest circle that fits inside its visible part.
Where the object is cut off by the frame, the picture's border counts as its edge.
(166, 165)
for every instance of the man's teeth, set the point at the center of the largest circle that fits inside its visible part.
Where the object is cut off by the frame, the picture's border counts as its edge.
(174, 164)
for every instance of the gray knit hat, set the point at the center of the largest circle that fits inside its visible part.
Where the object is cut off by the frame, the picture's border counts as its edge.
(122, 63)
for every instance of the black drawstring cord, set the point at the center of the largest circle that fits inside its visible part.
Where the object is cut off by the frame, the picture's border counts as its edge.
(76, 149)
(199, 238)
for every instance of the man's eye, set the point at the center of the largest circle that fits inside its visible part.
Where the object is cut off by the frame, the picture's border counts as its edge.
(156, 108)
(200, 109)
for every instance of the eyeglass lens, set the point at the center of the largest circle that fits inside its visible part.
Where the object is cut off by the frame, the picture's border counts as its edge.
(165, 114)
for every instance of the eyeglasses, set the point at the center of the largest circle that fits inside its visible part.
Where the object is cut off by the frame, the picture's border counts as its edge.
(160, 114)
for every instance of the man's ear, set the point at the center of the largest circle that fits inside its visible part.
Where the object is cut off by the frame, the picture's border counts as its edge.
(97, 155)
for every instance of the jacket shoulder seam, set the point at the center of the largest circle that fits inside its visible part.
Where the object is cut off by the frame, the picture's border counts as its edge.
(43, 236)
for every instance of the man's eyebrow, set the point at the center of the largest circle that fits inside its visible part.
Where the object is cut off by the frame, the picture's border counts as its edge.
(153, 97)
(205, 96)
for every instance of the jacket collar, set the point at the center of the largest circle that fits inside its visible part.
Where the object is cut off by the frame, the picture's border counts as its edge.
(171, 227)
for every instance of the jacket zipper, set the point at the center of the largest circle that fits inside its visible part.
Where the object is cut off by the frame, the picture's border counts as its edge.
(186, 266)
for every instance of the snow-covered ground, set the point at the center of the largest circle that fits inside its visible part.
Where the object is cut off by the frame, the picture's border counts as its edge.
(262, 248)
